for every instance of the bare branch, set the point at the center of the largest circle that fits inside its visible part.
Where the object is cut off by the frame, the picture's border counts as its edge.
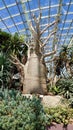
(55, 47)
(16, 61)
(49, 25)
(39, 18)
(53, 59)
(26, 44)
(34, 17)
(50, 53)
(37, 22)
(32, 29)
(13, 62)
(14, 57)
(48, 38)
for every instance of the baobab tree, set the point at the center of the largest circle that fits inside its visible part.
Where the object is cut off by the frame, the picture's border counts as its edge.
(34, 72)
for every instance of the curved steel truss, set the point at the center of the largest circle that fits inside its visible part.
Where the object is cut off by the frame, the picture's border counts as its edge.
(15, 16)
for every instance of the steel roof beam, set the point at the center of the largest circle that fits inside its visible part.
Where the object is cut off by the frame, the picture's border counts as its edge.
(47, 7)
(43, 17)
(13, 4)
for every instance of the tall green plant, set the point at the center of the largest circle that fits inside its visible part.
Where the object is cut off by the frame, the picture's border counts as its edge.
(5, 67)
(9, 44)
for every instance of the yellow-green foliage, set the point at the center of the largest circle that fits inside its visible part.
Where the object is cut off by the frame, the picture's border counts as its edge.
(60, 115)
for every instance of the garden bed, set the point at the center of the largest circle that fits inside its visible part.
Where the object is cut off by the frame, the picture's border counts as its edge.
(19, 112)
(60, 127)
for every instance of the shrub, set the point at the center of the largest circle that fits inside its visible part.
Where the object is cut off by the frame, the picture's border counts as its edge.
(20, 113)
(66, 87)
(59, 115)
(55, 90)
(71, 102)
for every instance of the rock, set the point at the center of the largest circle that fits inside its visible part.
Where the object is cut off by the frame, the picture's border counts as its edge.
(51, 101)
(47, 101)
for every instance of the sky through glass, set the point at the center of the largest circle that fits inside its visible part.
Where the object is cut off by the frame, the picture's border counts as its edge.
(16, 14)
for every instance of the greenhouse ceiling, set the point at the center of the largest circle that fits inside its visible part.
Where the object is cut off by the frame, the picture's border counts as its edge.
(15, 16)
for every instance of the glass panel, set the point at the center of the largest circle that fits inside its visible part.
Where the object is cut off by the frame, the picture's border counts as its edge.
(69, 17)
(71, 8)
(33, 4)
(13, 29)
(1, 4)
(4, 13)
(20, 8)
(2, 25)
(43, 3)
(66, 1)
(17, 19)
(53, 11)
(8, 22)
(13, 10)
(20, 27)
(8, 2)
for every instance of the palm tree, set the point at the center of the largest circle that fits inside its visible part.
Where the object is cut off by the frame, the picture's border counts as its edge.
(65, 59)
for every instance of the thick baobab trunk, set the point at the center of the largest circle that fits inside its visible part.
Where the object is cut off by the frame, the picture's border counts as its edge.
(35, 76)
(43, 77)
(32, 76)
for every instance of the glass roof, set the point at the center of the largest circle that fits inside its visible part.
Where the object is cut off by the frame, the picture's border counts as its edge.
(15, 16)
